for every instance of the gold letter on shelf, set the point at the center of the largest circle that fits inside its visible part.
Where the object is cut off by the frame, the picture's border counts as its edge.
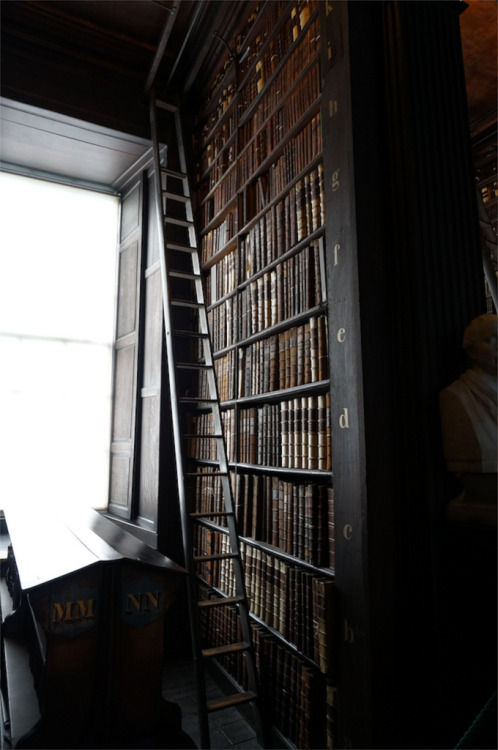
(336, 251)
(333, 107)
(341, 335)
(335, 180)
(348, 531)
(344, 420)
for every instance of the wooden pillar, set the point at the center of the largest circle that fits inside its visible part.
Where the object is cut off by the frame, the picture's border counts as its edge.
(405, 277)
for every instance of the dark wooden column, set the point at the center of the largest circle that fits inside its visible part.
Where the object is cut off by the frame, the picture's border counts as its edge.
(405, 277)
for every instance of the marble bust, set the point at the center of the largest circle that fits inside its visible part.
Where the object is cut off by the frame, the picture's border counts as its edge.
(469, 426)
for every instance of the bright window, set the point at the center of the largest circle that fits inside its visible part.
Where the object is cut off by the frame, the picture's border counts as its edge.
(57, 282)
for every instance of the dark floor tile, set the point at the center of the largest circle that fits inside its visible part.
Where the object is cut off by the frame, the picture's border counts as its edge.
(228, 728)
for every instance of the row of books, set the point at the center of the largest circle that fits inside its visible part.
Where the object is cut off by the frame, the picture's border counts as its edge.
(226, 375)
(216, 200)
(294, 601)
(210, 150)
(222, 278)
(300, 211)
(218, 167)
(298, 153)
(223, 324)
(292, 434)
(202, 442)
(292, 288)
(297, 61)
(295, 695)
(302, 149)
(213, 155)
(264, 29)
(294, 357)
(274, 131)
(295, 517)
(247, 52)
(217, 107)
(270, 135)
(215, 239)
(218, 572)
(300, 701)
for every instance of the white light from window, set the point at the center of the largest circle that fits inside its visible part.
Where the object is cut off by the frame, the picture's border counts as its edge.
(57, 283)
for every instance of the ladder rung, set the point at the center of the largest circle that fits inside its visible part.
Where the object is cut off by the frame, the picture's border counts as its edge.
(229, 648)
(219, 556)
(197, 400)
(203, 435)
(178, 222)
(221, 601)
(187, 275)
(193, 366)
(173, 173)
(180, 248)
(206, 474)
(169, 106)
(211, 513)
(230, 700)
(186, 303)
(191, 334)
(176, 196)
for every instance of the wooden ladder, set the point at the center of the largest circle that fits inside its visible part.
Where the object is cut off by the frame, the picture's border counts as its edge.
(194, 392)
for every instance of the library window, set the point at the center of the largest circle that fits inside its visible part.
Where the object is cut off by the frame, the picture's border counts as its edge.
(57, 296)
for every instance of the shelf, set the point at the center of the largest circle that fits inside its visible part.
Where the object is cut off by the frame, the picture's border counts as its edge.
(316, 473)
(279, 198)
(210, 194)
(282, 326)
(283, 640)
(283, 18)
(271, 549)
(280, 66)
(230, 141)
(280, 395)
(232, 465)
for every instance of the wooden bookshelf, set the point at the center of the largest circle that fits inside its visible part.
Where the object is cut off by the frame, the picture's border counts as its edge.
(260, 210)
(319, 197)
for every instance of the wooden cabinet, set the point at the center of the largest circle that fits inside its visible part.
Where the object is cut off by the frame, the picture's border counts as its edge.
(83, 629)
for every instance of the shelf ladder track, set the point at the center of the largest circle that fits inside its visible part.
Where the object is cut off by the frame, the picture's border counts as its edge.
(175, 214)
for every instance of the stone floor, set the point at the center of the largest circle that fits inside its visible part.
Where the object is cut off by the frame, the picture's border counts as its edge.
(228, 728)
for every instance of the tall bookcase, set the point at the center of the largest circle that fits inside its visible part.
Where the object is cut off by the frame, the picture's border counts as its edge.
(260, 206)
(339, 278)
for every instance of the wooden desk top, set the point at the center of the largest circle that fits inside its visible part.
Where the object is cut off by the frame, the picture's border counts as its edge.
(50, 544)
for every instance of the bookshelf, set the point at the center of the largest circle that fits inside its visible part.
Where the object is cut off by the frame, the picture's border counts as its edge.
(339, 278)
(260, 210)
